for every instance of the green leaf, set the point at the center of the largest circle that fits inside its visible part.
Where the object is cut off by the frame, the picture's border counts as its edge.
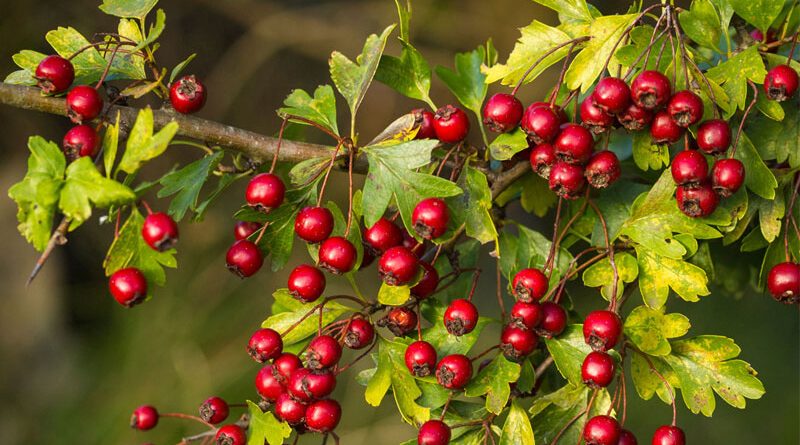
(638, 43)
(404, 15)
(155, 30)
(657, 274)
(536, 195)
(702, 24)
(734, 73)
(650, 329)
(569, 10)
(505, 146)
(770, 216)
(646, 154)
(760, 13)
(180, 67)
(128, 8)
(392, 373)
(759, 178)
(393, 295)
(601, 274)
(293, 310)
(777, 140)
(90, 64)
(552, 411)
(493, 380)
(477, 201)
(110, 146)
(85, 186)
(606, 31)
(648, 383)
(467, 82)
(517, 430)
(320, 109)
(770, 108)
(186, 184)
(264, 427)
(444, 342)
(307, 170)
(409, 74)
(616, 205)
(142, 144)
(568, 351)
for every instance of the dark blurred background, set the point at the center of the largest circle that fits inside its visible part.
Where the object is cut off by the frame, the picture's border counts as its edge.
(74, 363)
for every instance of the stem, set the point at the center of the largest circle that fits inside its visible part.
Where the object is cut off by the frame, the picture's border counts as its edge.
(544, 56)
(610, 248)
(327, 174)
(187, 417)
(278, 148)
(625, 33)
(744, 117)
(663, 380)
(351, 159)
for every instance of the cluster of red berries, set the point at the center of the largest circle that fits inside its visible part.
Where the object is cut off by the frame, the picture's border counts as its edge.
(605, 430)
(214, 411)
(449, 124)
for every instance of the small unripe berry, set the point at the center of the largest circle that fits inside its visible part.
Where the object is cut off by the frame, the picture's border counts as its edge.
(265, 344)
(323, 416)
(244, 258)
(603, 169)
(529, 285)
(781, 83)
(451, 124)
(230, 435)
(428, 283)
(337, 255)
(669, 435)
(323, 352)
(243, 229)
(128, 286)
(664, 130)
(434, 432)
(424, 120)
(685, 108)
(454, 371)
(554, 320)
(783, 282)
(420, 358)
(602, 430)
(543, 157)
(265, 192)
(83, 104)
(313, 224)
(502, 113)
(160, 231)
(517, 343)
(54, 74)
(598, 369)
(651, 90)
(727, 176)
(430, 218)
(540, 123)
(461, 317)
(567, 180)
(306, 283)
(400, 321)
(697, 202)
(80, 141)
(601, 330)
(398, 266)
(612, 95)
(214, 410)
(714, 136)
(187, 94)
(144, 418)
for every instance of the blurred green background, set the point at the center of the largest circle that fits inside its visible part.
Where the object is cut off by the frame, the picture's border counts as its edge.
(74, 363)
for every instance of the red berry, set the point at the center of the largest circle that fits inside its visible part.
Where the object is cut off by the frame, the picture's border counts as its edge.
(689, 168)
(244, 258)
(420, 358)
(290, 410)
(323, 352)
(409, 242)
(612, 95)
(594, 118)
(685, 108)
(434, 432)
(83, 104)
(601, 330)
(566, 180)
(306, 283)
(359, 333)
(602, 430)
(243, 229)
(697, 202)
(541, 123)
(574, 144)
(543, 157)
(526, 315)
(268, 385)
(265, 344)
(783, 282)
(727, 176)
(502, 113)
(651, 90)
(627, 438)
(398, 266)
(337, 255)
(214, 410)
(451, 124)
(454, 371)
(517, 343)
(313, 224)
(382, 236)
(554, 320)
(284, 365)
(128, 286)
(781, 83)
(529, 285)
(427, 285)
(54, 74)
(322, 416)
(399, 320)
(635, 118)
(461, 317)
(603, 169)
(424, 120)
(160, 231)
(430, 218)
(265, 192)
(562, 115)
(230, 435)
(664, 130)
(306, 385)
(80, 140)
(187, 94)
(598, 369)
(714, 136)
(144, 418)
(669, 435)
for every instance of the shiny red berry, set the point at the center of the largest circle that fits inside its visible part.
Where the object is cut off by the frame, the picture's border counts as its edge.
(460, 317)
(574, 144)
(322, 416)
(727, 176)
(420, 358)
(454, 371)
(265, 344)
(526, 315)
(306, 283)
(306, 385)
(83, 104)
(554, 320)
(400, 321)
(160, 231)
(214, 410)
(601, 330)
(230, 435)
(243, 229)
(430, 218)
(567, 180)
(428, 283)
(714, 136)
(54, 74)
(144, 418)
(529, 285)
(603, 169)
(244, 258)
(783, 282)
(664, 130)
(540, 123)
(265, 192)
(781, 83)
(685, 108)
(669, 435)
(424, 120)
(382, 236)
(651, 90)
(359, 333)
(689, 168)
(627, 438)
(697, 202)
(187, 94)
(313, 224)
(284, 365)
(337, 255)
(290, 410)
(128, 286)
(451, 124)
(517, 343)
(398, 266)
(502, 113)
(268, 385)
(323, 352)
(598, 369)
(434, 432)
(602, 430)
(635, 118)
(612, 95)
(543, 157)
(594, 118)
(80, 140)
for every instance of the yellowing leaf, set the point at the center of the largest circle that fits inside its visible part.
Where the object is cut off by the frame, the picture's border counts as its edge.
(588, 64)
(657, 274)
(536, 40)
(650, 329)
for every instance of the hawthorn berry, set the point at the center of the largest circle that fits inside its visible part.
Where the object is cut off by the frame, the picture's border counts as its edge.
(526, 315)
(214, 410)
(83, 104)
(685, 108)
(689, 168)
(323, 416)
(54, 74)
(430, 218)
(400, 321)
(783, 282)
(651, 90)
(80, 140)
(337, 255)
(664, 130)
(290, 410)
(567, 180)
(284, 365)
(265, 192)
(306, 385)
(598, 369)
(244, 258)
(543, 157)
(714, 136)
(230, 435)
(594, 118)
(265, 344)
(635, 118)
(601, 330)
(420, 358)
(243, 229)
(612, 95)
(424, 120)
(502, 112)
(398, 266)
(603, 169)
(359, 333)
(727, 176)
(602, 430)
(697, 202)
(187, 94)
(627, 438)
(268, 385)
(781, 83)
(128, 286)
(540, 123)
(144, 418)
(313, 224)
(516, 342)
(461, 317)
(574, 144)
(454, 371)
(433, 432)
(554, 320)
(323, 352)
(562, 115)
(306, 283)
(428, 283)
(451, 124)
(669, 435)
(160, 231)
(382, 236)
(529, 285)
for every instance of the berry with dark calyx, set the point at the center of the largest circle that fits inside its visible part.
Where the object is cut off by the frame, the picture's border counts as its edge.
(502, 113)
(398, 266)
(230, 435)
(337, 255)
(601, 330)
(562, 115)
(265, 192)
(685, 108)
(567, 180)
(461, 317)
(635, 118)
(214, 410)
(306, 283)
(244, 258)
(290, 410)
(54, 74)
(594, 118)
(664, 130)
(689, 168)
(424, 120)
(529, 285)
(382, 236)
(313, 224)
(420, 358)
(400, 321)
(160, 231)
(434, 432)
(187, 94)
(243, 229)
(428, 283)
(697, 202)
(322, 416)
(669, 435)
(128, 286)
(451, 124)
(454, 371)
(430, 218)
(83, 104)
(598, 369)
(323, 352)
(612, 95)
(526, 315)
(144, 418)
(265, 344)
(603, 169)
(574, 144)
(80, 140)
(554, 320)
(627, 438)
(268, 385)
(284, 365)
(783, 282)
(727, 176)
(306, 385)
(781, 83)
(651, 90)
(714, 136)
(540, 123)
(359, 333)
(602, 430)
(543, 157)
(517, 343)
